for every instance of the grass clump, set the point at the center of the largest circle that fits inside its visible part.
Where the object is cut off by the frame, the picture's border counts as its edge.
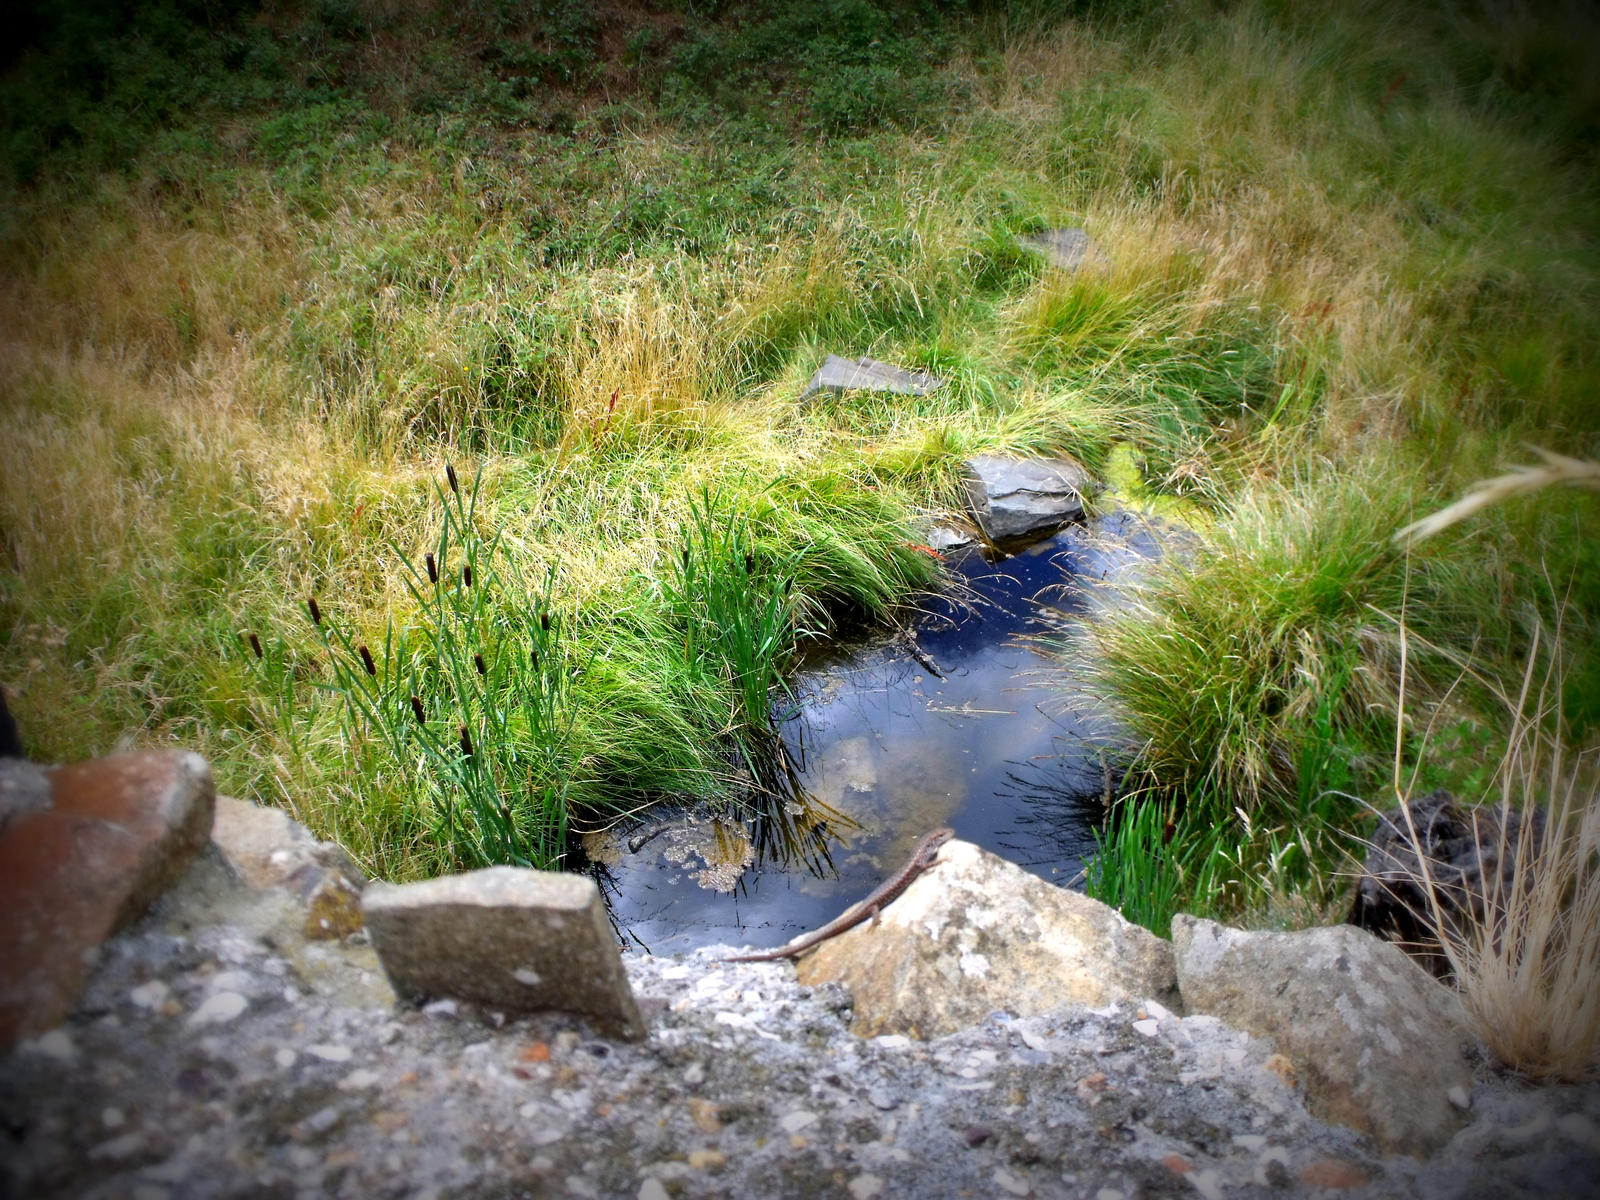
(262, 270)
(1521, 938)
(471, 698)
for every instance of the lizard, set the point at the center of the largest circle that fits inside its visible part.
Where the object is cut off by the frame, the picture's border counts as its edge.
(921, 859)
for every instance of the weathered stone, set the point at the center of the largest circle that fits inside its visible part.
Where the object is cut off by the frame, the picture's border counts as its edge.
(268, 848)
(115, 834)
(868, 374)
(509, 938)
(1012, 498)
(1066, 248)
(1376, 1042)
(976, 934)
(23, 789)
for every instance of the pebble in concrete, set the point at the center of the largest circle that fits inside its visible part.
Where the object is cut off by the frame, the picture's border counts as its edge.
(513, 939)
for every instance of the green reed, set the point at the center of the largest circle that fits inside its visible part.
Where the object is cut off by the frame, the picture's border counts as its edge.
(471, 696)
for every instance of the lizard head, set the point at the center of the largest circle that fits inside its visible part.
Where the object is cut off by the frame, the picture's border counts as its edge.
(932, 843)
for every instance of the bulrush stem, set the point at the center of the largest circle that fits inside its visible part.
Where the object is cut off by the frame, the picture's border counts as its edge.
(433, 568)
(477, 661)
(366, 660)
(466, 742)
(466, 574)
(255, 645)
(316, 612)
(450, 478)
(417, 710)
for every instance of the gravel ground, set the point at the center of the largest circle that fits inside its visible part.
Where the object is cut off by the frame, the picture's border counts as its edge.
(215, 1056)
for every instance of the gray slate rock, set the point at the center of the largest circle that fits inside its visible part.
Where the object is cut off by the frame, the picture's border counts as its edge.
(868, 374)
(512, 939)
(1013, 498)
(977, 934)
(1068, 248)
(1376, 1042)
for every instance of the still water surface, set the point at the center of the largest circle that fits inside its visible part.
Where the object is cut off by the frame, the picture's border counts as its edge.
(1004, 748)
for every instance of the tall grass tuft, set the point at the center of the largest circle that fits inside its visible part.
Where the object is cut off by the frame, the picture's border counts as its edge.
(1241, 668)
(471, 698)
(733, 599)
(1527, 957)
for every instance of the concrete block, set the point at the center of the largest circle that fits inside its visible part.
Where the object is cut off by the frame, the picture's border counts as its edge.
(505, 937)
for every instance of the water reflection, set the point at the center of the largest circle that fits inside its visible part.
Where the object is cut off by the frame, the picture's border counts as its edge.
(957, 721)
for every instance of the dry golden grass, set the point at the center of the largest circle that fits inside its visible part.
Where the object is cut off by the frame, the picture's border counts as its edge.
(1527, 963)
(1519, 481)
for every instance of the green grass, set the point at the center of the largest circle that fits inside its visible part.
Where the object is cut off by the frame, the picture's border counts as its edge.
(262, 276)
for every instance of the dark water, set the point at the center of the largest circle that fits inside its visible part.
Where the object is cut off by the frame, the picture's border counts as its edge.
(1005, 748)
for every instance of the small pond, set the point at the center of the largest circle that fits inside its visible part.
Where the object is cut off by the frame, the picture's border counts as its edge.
(1004, 748)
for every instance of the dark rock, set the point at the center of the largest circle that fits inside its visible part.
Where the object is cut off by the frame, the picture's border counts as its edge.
(10, 739)
(1012, 498)
(1472, 856)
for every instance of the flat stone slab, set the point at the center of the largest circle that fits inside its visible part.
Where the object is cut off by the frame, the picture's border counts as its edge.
(976, 934)
(1375, 1040)
(1066, 248)
(114, 835)
(1011, 498)
(868, 374)
(506, 937)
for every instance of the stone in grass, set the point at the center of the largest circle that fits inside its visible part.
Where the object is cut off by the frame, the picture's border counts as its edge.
(1068, 248)
(505, 937)
(868, 374)
(975, 934)
(116, 833)
(1012, 498)
(1376, 1042)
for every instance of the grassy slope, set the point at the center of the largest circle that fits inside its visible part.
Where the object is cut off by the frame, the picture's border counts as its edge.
(264, 273)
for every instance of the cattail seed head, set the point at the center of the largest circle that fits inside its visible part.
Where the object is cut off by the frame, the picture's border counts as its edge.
(477, 661)
(749, 563)
(544, 621)
(366, 660)
(533, 656)
(433, 568)
(255, 645)
(466, 742)
(450, 478)
(686, 558)
(466, 574)
(316, 612)
(417, 710)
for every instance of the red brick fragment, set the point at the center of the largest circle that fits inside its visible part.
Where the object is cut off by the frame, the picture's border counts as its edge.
(117, 833)
(1333, 1173)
